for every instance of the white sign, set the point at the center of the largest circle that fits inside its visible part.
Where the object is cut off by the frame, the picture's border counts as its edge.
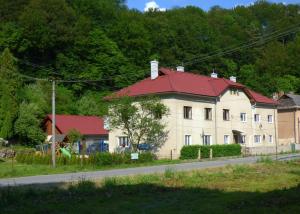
(134, 156)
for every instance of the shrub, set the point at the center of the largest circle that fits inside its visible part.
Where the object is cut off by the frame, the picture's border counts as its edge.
(191, 152)
(146, 157)
(97, 159)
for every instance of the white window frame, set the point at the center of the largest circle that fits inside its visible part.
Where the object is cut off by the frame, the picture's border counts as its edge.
(257, 137)
(270, 138)
(207, 137)
(226, 115)
(226, 137)
(187, 140)
(243, 119)
(256, 121)
(209, 112)
(127, 144)
(244, 138)
(270, 116)
(188, 115)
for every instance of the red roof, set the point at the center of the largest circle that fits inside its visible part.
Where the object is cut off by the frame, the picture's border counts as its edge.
(170, 81)
(86, 125)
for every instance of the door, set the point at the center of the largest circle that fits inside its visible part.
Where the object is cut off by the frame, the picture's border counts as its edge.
(236, 138)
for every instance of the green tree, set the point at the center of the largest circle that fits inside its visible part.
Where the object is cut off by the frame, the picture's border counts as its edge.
(140, 120)
(9, 85)
(91, 103)
(28, 126)
(73, 136)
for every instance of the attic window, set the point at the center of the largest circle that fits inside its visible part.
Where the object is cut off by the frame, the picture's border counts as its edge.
(234, 92)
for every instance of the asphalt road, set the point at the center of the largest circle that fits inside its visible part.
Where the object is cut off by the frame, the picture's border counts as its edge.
(71, 177)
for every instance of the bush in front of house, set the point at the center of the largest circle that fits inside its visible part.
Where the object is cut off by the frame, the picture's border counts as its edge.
(192, 152)
(189, 152)
(97, 159)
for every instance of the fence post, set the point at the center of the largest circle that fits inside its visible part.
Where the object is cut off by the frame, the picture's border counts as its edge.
(210, 153)
(199, 153)
(171, 154)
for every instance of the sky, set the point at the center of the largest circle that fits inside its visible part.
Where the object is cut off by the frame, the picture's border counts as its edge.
(143, 5)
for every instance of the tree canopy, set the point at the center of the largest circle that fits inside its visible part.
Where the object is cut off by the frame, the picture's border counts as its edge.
(106, 41)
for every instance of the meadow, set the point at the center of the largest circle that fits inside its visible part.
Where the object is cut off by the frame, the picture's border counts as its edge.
(265, 187)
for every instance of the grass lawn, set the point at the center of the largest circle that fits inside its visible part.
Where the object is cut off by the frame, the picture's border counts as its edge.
(271, 187)
(9, 170)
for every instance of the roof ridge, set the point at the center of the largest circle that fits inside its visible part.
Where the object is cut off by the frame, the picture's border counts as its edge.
(74, 115)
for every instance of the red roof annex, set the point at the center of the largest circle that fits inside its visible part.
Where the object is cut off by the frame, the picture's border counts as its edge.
(86, 125)
(170, 81)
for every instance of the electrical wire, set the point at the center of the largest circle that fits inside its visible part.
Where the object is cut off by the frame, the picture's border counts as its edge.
(262, 41)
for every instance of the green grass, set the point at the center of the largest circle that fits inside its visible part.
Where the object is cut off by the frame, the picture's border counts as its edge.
(9, 170)
(259, 188)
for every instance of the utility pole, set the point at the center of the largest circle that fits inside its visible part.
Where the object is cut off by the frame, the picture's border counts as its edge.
(53, 124)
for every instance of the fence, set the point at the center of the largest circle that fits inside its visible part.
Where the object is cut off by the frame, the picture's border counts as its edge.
(263, 150)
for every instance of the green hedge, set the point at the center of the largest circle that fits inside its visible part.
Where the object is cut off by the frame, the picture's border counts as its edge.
(98, 159)
(191, 152)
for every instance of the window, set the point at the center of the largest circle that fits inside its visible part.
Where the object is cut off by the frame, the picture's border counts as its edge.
(270, 139)
(187, 140)
(123, 141)
(243, 117)
(207, 140)
(225, 114)
(256, 118)
(234, 92)
(208, 114)
(257, 139)
(226, 139)
(187, 112)
(243, 139)
(270, 118)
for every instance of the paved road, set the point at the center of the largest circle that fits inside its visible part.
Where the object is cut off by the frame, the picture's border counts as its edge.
(69, 177)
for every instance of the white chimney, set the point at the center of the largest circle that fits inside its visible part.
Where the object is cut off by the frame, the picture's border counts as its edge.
(214, 75)
(180, 68)
(233, 78)
(154, 69)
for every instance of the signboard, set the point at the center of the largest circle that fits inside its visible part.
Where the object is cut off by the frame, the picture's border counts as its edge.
(134, 156)
(58, 138)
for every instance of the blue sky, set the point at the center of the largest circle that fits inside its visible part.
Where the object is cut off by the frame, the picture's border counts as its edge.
(204, 4)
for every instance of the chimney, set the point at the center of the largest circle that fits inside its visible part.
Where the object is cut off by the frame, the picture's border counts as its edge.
(154, 69)
(180, 68)
(233, 78)
(214, 75)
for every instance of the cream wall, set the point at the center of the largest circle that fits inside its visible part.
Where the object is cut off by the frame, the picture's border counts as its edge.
(178, 127)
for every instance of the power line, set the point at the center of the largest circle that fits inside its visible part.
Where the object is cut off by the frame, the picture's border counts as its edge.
(263, 40)
(32, 78)
(251, 40)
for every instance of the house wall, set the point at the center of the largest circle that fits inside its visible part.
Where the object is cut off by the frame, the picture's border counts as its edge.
(288, 125)
(48, 128)
(90, 139)
(178, 127)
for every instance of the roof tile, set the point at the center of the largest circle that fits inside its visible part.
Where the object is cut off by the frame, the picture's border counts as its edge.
(189, 83)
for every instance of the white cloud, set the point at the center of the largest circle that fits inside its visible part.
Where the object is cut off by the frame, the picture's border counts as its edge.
(152, 5)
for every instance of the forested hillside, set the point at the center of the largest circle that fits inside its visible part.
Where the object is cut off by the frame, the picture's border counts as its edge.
(104, 40)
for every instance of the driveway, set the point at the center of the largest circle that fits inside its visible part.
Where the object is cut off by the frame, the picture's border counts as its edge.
(70, 177)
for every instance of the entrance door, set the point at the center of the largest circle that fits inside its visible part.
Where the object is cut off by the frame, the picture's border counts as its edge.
(236, 138)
